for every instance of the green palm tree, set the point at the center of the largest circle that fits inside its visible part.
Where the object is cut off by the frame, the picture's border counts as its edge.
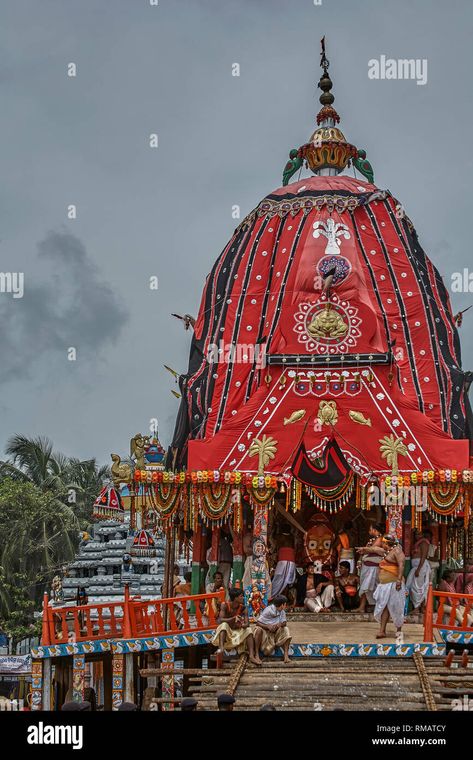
(32, 460)
(74, 482)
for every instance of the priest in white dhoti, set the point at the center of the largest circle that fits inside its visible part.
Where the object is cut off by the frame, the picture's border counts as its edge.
(390, 593)
(285, 571)
(418, 580)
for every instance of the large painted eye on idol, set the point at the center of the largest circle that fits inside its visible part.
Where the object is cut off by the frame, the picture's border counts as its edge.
(312, 544)
(327, 543)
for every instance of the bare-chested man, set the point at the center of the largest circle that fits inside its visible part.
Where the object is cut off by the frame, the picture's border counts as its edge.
(390, 595)
(234, 630)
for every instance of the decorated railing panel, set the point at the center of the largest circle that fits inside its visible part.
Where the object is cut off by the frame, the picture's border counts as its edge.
(447, 611)
(132, 618)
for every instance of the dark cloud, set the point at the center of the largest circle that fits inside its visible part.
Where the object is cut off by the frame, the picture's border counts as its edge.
(223, 140)
(66, 305)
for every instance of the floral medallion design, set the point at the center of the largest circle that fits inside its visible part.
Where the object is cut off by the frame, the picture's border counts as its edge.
(327, 326)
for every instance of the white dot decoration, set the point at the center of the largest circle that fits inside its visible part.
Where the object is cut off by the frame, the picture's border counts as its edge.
(403, 274)
(253, 301)
(409, 293)
(229, 300)
(426, 379)
(363, 227)
(265, 253)
(238, 383)
(422, 352)
(234, 411)
(383, 277)
(249, 328)
(396, 250)
(373, 253)
(290, 227)
(258, 277)
(390, 300)
(417, 324)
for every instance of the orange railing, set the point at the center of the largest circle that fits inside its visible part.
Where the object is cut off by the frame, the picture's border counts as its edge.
(184, 614)
(132, 618)
(455, 609)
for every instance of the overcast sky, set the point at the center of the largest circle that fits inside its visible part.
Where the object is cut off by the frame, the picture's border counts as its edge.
(223, 140)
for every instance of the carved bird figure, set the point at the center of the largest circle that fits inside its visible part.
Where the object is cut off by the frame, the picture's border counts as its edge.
(364, 166)
(121, 473)
(188, 320)
(293, 165)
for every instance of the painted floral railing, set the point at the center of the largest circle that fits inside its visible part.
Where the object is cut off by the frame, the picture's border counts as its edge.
(177, 615)
(132, 618)
(455, 609)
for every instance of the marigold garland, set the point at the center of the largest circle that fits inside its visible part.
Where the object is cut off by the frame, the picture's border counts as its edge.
(445, 498)
(332, 499)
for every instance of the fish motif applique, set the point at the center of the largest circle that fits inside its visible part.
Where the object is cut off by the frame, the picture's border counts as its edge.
(295, 417)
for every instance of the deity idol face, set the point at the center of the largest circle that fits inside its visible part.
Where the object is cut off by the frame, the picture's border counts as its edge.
(319, 542)
(259, 548)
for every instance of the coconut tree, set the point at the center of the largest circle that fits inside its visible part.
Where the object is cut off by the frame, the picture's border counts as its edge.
(86, 480)
(74, 483)
(38, 535)
(265, 448)
(390, 449)
(33, 460)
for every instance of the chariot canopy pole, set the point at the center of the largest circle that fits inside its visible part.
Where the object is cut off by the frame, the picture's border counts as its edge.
(464, 557)
(169, 562)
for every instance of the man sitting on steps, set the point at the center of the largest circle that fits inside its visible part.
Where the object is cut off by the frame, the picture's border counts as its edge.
(234, 631)
(270, 629)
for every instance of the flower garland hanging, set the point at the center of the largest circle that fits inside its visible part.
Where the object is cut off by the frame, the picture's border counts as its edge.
(164, 499)
(428, 477)
(215, 501)
(261, 496)
(294, 496)
(445, 498)
(332, 500)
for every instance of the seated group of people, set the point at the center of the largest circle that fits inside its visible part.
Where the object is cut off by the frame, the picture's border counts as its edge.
(269, 631)
(461, 615)
(318, 592)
